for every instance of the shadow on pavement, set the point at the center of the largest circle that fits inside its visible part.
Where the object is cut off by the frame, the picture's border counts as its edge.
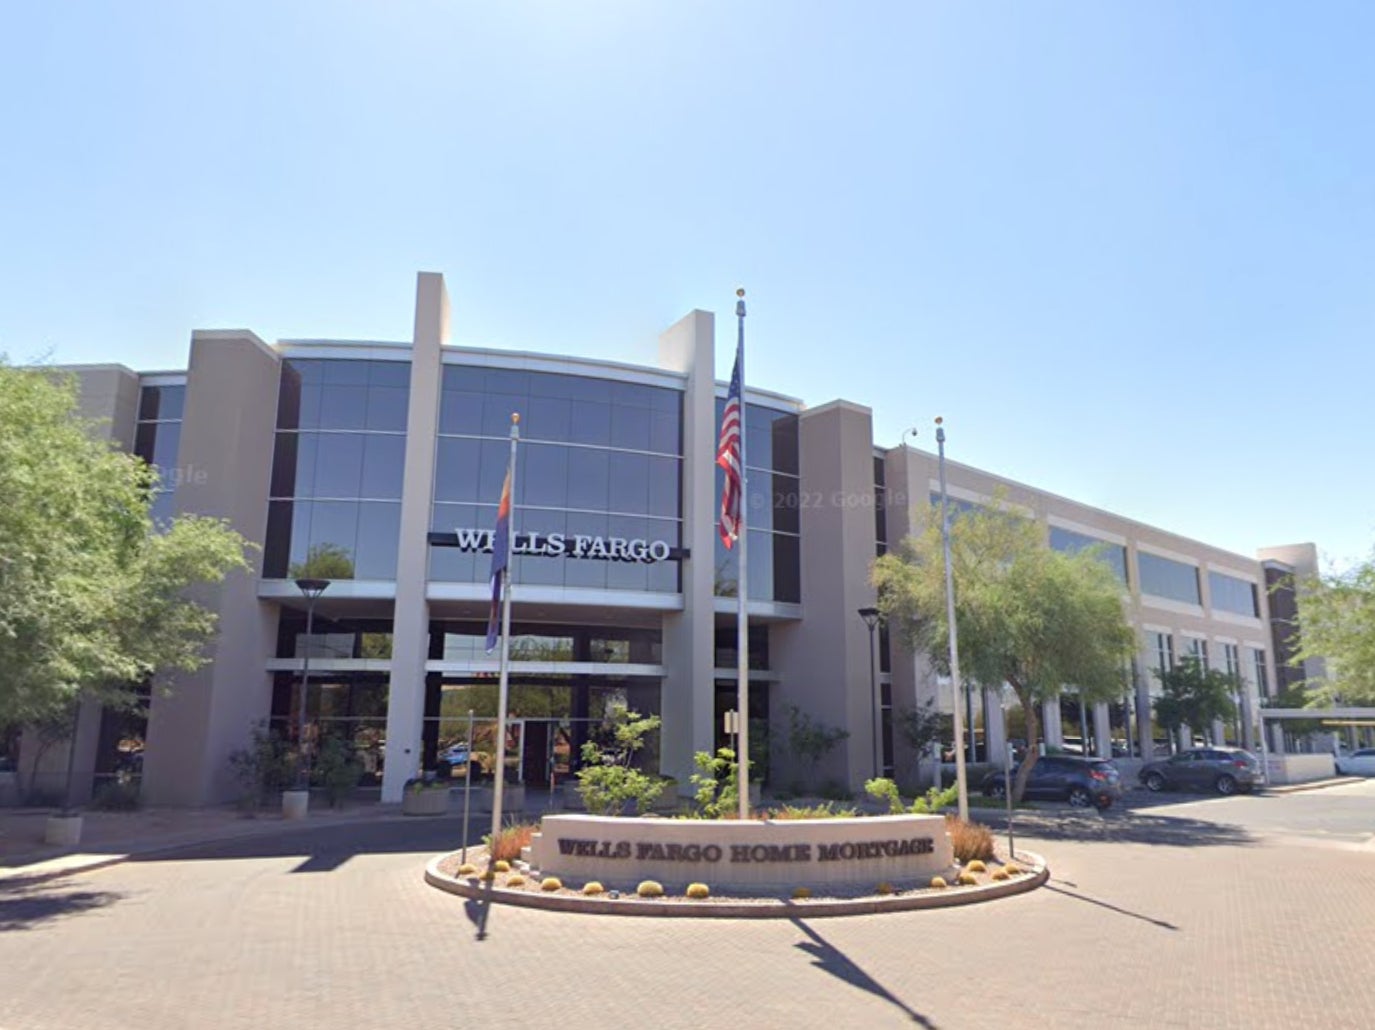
(828, 957)
(325, 848)
(1119, 827)
(24, 907)
(1054, 889)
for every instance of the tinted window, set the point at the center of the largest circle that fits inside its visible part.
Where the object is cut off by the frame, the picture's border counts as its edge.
(1112, 555)
(1163, 577)
(1232, 594)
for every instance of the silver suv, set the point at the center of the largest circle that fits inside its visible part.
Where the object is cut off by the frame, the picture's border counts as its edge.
(1223, 769)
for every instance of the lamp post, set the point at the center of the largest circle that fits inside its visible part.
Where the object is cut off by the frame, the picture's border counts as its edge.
(871, 618)
(310, 589)
(956, 687)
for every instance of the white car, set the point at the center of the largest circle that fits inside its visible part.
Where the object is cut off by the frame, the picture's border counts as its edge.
(1358, 763)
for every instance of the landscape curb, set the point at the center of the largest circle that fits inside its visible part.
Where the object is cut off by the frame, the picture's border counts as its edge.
(780, 908)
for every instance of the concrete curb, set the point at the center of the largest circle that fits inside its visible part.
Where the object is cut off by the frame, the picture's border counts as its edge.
(770, 909)
(72, 864)
(1295, 788)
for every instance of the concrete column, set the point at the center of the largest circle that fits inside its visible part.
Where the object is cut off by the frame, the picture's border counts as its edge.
(1185, 737)
(1219, 732)
(1052, 730)
(824, 658)
(688, 691)
(227, 432)
(1145, 743)
(411, 616)
(1277, 737)
(1102, 730)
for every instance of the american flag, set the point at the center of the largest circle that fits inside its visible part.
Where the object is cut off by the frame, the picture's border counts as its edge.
(728, 454)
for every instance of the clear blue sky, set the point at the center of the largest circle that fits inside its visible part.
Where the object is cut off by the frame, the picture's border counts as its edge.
(1126, 249)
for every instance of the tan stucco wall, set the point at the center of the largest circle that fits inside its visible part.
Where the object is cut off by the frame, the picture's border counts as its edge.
(228, 430)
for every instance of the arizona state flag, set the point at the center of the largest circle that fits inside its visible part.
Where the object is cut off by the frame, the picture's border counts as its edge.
(501, 539)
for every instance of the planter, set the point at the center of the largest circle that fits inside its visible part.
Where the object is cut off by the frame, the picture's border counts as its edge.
(63, 831)
(512, 798)
(295, 804)
(430, 801)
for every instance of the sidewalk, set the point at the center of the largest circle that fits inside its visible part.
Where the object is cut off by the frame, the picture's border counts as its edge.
(1294, 788)
(111, 837)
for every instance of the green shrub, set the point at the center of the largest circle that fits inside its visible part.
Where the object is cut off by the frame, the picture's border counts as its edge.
(608, 782)
(266, 767)
(884, 789)
(718, 783)
(336, 770)
(835, 790)
(824, 810)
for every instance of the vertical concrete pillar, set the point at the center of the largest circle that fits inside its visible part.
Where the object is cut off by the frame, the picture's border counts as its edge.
(411, 615)
(1052, 730)
(688, 692)
(824, 659)
(227, 432)
(1102, 730)
(1144, 740)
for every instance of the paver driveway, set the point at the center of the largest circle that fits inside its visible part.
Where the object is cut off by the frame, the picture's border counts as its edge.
(1211, 926)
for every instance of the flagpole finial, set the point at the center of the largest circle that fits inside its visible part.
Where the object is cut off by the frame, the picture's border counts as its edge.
(740, 304)
(515, 418)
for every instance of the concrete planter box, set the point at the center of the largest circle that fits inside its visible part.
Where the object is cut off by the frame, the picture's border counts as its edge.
(295, 804)
(431, 801)
(63, 831)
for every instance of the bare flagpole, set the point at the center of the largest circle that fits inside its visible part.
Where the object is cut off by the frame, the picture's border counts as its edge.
(742, 619)
(500, 769)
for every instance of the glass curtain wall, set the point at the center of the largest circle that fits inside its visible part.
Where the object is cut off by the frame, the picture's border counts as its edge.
(157, 439)
(335, 508)
(598, 459)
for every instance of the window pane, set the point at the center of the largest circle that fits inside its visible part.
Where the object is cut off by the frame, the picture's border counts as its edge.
(387, 408)
(161, 402)
(585, 572)
(548, 418)
(165, 444)
(630, 427)
(343, 407)
(541, 569)
(333, 536)
(448, 564)
(338, 464)
(379, 532)
(384, 460)
(389, 373)
(665, 432)
(144, 437)
(345, 372)
(591, 423)
(1112, 555)
(663, 475)
(544, 475)
(163, 507)
(588, 478)
(456, 469)
(460, 411)
(1233, 595)
(497, 409)
(1162, 577)
(628, 483)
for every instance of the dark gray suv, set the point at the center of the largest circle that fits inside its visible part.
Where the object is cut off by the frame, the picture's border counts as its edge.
(1080, 781)
(1223, 769)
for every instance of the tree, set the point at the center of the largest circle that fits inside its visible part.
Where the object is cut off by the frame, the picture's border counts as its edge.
(324, 561)
(608, 780)
(93, 601)
(1028, 616)
(1336, 622)
(1194, 696)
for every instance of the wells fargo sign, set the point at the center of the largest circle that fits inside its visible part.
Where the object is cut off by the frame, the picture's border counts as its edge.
(755, 853)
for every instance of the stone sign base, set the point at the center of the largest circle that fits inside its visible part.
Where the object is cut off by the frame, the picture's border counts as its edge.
(743, 855)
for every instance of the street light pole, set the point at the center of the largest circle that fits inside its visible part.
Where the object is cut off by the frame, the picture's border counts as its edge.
(956, 687)
(871, 618)
(311, 589)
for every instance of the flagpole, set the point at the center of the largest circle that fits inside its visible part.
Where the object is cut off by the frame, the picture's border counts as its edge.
(500, 781)
(742, 620)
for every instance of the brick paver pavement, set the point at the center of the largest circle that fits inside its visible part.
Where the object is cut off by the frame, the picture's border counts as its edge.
(335, 928)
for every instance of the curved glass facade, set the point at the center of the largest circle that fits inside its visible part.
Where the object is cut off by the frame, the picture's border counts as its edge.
(335, 508)
(598, 458)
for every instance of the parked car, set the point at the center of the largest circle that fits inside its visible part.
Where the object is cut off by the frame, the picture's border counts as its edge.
(1358, 763)
(1080, 781)
(1223, 769)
